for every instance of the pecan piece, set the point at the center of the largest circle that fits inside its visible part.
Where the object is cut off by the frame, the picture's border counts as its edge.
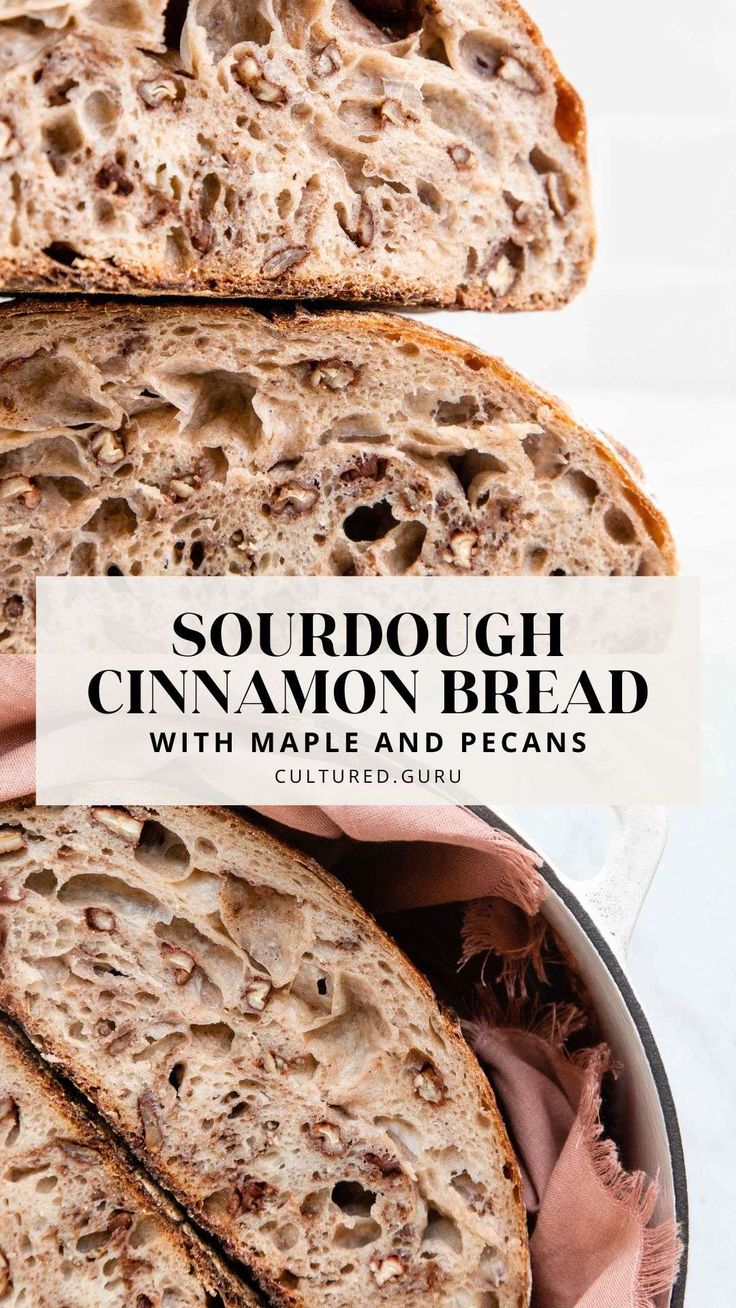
(182, 488)
(335, 374)
(100, 919)
(255, 993)
(394, 112)
(386, 1269)
(120, 823)
(80, 1153)
(462, 157)
(283, 260)
(148, 1111)
(12, 840)
(557, 194)
(159, 90)
(517, 75)
(328, 60)
(293, 498)
(462, 548)
(328, 1139)
(249, 73)
(428, 1085)
(181, 963)
(18, 487)
(107, 446)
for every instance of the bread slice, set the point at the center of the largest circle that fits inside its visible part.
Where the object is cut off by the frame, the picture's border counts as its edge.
(192, 439)
(78, 1226)
(412, 151)
(268, 1053)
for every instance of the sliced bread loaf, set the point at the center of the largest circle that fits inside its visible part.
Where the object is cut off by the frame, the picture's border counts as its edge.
(191, 439)
(266, 1050)
(78, 1226)
(413, 151)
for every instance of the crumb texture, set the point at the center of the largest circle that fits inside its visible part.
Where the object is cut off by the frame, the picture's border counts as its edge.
(76, 1229)
(267, 1052)
(413, 151)
(212, 441)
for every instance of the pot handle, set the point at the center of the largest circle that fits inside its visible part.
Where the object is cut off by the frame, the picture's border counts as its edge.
(614, 896)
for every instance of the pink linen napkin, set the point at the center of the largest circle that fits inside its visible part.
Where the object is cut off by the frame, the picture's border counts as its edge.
(592, 1245)
(17, 726)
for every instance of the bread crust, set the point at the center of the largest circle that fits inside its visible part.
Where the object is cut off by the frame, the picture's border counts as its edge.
(209, 819)
(215, 1276)
(213, 279)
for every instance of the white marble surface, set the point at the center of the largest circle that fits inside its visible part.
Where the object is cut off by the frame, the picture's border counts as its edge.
(648, 353)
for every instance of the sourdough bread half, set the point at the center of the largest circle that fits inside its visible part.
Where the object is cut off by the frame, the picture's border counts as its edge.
(78, 1225)
(203, 440)
(209, 440)
(413, 151)
(266, 1050)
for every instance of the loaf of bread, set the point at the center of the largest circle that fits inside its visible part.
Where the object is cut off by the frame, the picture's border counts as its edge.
(78, 1227)
(405, 151)
(192, 439)
(268, 1053)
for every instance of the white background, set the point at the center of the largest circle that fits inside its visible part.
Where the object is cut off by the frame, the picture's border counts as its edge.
(648, 354)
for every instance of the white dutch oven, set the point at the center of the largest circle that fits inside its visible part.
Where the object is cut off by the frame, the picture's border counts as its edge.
(595, 919)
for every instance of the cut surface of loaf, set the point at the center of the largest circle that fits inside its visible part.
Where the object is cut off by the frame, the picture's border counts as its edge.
(266, 1050)
(171, 440)
(413, 151)
(78, 1226)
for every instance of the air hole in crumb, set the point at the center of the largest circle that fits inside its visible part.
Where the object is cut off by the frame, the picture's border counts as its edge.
(176, 1075)
(370, 522)
(62, 137)
(158, 847)
(101, 112)
(481, 55)
(619, 526)
(546, 454)
(174, 18)
(397, 18)
(42, 882)
(209, 194)
(351, 1198)
(62, 253)
(583, 485)
(196, 554)
(441, 1229)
